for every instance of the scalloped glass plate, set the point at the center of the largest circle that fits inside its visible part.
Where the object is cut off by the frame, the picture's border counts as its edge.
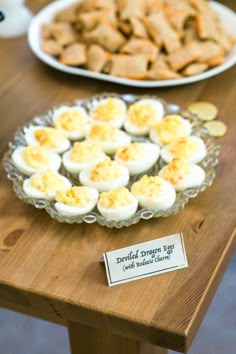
(208, 164)
(226, 15)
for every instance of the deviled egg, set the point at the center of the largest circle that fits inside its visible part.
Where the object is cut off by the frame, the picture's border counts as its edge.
(190, 148)
(73, 121)
(153, 192)
(118, 204)
(105, 175)
(76, 200)
(45, 184)
(109, 110)
(182, 174)
(47, 137)
(32, 159)
(109, 137)
(82, 155)
(137, 157)
(142, 115)
(170, 128)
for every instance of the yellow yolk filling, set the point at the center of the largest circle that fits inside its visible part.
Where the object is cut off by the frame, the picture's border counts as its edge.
(103, 132)
(48, 137)
(148, 185)
(108, 111)
(36, 156)
(141, 114)
(47, 182)
(116, 198)
(169, 128)
(130, 152)
(85, 151)
(183, 148)
(106, 170)
(75, 196)
(176, 171)
(70, 121)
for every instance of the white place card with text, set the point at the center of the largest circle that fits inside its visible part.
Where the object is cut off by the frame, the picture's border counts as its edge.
(145, 259)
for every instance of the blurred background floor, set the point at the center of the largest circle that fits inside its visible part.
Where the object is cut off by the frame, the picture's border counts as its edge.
(21, 334)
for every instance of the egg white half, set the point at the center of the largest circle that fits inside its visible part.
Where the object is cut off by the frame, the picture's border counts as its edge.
(117, 120)
(186, 130)
(120, 213)
(74, 210)
(31, 140)
(76, 134)
(138, 130)
(35, 193)
(198, 155)
(150, 154)
(195, 177)
(110, 147)
(76, 167)
(163, 200)
(21, 164)
(104, 186)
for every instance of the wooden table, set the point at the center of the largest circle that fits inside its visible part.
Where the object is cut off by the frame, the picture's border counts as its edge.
(52, 271)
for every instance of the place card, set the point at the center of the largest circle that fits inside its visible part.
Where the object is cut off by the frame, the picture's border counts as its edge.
(145, 259)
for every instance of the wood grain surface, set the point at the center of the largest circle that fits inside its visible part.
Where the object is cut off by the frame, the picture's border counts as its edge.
(84, 340)
(52, 270)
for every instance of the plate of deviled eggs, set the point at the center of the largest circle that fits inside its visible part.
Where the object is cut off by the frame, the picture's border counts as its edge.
(111, 159)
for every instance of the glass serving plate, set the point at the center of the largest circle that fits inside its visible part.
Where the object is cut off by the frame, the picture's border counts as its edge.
(208, 164)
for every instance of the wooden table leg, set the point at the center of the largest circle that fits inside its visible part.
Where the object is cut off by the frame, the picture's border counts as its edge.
(86, 340)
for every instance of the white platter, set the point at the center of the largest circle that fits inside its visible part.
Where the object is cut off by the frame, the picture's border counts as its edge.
(228, 18)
